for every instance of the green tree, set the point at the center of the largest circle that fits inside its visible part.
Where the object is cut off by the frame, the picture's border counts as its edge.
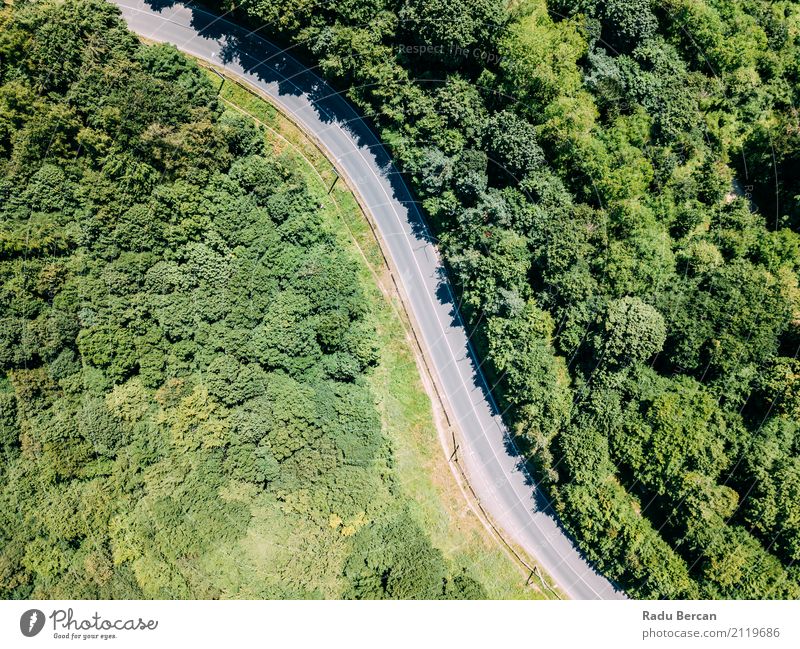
(633, 331)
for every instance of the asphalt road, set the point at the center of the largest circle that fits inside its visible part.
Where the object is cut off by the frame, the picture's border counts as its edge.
(505, 490)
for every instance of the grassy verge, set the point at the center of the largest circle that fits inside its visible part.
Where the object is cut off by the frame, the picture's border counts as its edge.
(419, 464)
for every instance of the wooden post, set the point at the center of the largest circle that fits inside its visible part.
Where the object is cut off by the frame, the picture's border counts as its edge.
(333, 184)
(455, 447)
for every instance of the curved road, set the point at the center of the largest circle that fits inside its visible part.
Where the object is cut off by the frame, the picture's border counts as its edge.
(505, 490)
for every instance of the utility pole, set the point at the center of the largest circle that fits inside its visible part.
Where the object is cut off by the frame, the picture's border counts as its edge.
(333, 184)
(455, 448)
(219, 90)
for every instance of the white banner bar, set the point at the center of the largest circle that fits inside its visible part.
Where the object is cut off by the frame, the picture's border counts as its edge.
(492, 625)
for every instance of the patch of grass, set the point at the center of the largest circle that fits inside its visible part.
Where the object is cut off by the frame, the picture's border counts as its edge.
(420, 468)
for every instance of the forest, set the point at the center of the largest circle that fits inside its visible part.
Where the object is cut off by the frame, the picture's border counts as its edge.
(615, 186)
(184, 345)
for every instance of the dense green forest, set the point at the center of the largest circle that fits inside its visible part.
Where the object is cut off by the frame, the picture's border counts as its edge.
(614, 185)
(184, 346)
